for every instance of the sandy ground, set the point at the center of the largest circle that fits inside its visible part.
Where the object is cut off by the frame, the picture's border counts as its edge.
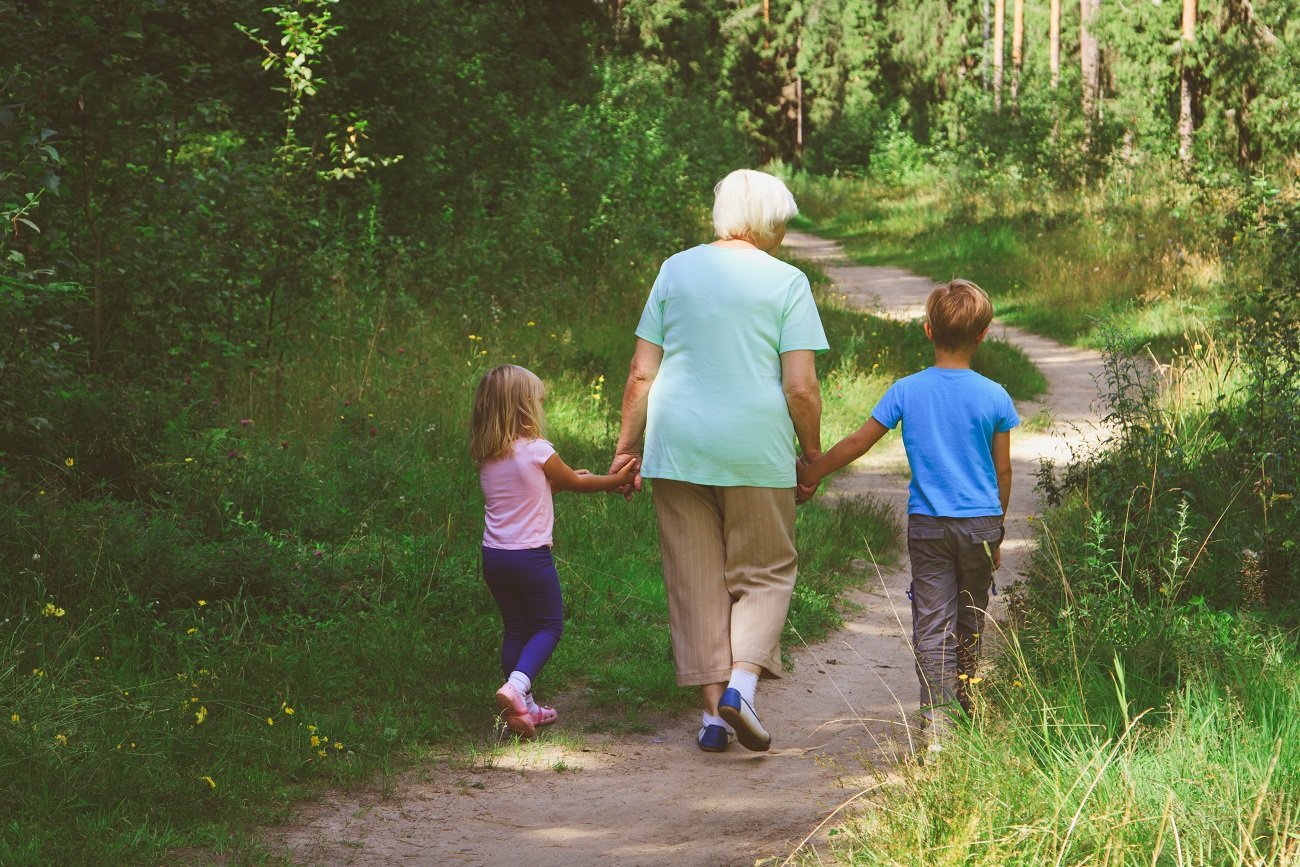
(838, 720)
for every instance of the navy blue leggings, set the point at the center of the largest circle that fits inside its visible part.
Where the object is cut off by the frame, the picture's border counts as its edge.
(527, 590)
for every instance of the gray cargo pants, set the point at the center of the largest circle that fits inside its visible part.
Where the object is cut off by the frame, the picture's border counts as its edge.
(952, 569)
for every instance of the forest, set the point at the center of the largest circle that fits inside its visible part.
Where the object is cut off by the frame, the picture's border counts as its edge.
(256, 258)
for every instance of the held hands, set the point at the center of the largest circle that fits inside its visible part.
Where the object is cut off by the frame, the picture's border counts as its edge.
(628, 468)
(808, 481)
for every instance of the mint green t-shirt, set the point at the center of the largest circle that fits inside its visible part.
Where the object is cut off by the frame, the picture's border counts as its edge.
(717, 414)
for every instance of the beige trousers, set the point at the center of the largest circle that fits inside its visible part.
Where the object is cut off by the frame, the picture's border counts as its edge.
(729, 569)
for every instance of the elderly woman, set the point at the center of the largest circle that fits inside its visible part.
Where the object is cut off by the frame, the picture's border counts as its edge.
(721, 383)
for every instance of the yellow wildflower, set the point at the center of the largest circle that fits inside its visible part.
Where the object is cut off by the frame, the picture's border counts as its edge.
(963, 677)
(1017, 683)
(68, 462)
(62, 739)
(288, 710)
(975, 680)
(202, 602)
(320, 753)
(311, 728)
(270, 721)
(531, 323)
(315, 741)
(189, 460)
(201, 715)
(211, 782)
(338, 745)
(15, 718)
(191, 630)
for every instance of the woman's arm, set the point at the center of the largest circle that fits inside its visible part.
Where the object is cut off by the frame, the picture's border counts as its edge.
(636, 396)
(563, 478)
(803, 397)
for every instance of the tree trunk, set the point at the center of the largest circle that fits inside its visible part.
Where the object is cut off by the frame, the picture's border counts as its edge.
(984, 55)
(1186, 120)
(1017, 44)
(1089, 64)
(1054, 43)
(999, 36)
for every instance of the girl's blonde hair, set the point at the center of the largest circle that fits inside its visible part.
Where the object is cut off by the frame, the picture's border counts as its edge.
(507, 407)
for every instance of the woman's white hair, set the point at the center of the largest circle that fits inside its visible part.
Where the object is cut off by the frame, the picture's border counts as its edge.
(751, 205)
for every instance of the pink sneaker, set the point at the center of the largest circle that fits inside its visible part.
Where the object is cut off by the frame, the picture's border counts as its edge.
(518, 719)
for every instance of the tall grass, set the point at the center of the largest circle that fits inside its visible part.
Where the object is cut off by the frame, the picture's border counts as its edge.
(1143, 707)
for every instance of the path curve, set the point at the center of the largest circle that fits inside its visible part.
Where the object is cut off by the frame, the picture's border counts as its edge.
(837, 720)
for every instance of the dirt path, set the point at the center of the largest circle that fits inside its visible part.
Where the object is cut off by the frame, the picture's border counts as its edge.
(655, 798)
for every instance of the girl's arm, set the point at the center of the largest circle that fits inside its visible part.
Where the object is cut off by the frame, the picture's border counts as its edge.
(843, 453)
(563, 478)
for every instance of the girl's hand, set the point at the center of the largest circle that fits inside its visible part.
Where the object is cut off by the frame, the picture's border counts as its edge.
(628, 474)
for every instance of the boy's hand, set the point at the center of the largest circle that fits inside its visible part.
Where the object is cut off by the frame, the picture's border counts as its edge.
(807, 485)
(804, 493)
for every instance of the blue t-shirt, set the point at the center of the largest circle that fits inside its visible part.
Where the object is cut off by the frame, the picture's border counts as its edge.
(949, 418)
(717, 413)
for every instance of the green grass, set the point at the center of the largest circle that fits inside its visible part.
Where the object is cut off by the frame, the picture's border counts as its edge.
(1053, 262)
(1143, 707)
(294, 555)
(1208, 778)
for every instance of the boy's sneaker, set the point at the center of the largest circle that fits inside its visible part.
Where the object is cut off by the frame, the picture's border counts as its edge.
(740, 715)
(713, 738)
(515, 707)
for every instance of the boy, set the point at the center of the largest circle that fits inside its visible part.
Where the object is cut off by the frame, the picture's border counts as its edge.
(957, 434)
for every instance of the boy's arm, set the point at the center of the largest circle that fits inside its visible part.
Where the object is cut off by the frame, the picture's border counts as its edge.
(1002, 466)
(563, 478)
(843, 453)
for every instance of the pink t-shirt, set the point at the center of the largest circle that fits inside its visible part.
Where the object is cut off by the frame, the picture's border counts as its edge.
(520, 512)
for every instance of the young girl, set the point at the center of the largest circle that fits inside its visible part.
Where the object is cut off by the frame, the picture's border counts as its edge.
(518, 471)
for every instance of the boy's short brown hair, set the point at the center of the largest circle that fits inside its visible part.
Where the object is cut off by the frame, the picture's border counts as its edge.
(958, 312)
